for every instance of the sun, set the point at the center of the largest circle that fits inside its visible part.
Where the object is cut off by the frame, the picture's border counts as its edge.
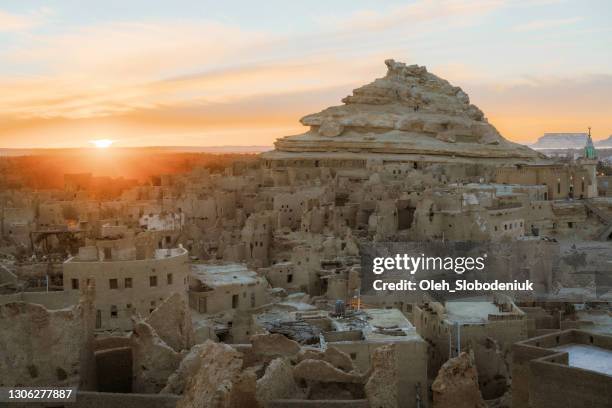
(102, 143)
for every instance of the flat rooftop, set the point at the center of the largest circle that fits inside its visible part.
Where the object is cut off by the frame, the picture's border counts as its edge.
(602, 320)
(379, 324)
(588, 357)
(222, 275)
(472, 311)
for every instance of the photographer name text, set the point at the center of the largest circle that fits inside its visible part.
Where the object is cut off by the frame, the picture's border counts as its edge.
(452, 287)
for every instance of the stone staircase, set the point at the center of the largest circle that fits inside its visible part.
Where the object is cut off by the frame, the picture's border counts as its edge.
(605, 219)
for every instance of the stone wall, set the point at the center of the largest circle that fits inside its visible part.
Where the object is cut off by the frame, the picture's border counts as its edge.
(134, 291)
(50, 300)
(555, 384)
(541, 377)
(43, 347)
(410, 364)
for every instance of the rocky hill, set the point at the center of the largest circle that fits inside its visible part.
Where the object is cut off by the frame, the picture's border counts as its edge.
(409, 111)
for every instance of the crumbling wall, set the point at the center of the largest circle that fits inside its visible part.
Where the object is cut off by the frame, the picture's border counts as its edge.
(323, 381)
(332, 355)
(382, 386)
(153, 360)
(270, 346)
(188, 368)
(277, 382)
(456, 385)
(219, 381)
(172, 322)
(555, 384)
(43, 347)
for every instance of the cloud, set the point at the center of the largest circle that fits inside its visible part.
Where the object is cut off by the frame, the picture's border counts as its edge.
(199, 76)
(414, 13)
(114, 67)
(537, 25)
(134, 50)
(521, 112)
(64, 97)
(526, 110)
(10, 22)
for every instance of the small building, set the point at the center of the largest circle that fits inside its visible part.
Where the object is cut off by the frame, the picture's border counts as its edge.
(219, 288)
(571, 368)
(124, 283)
(487, 326)
(358, 333)
(361, 335)
(563, 180)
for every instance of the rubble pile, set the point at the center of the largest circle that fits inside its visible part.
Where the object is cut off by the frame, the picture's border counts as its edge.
(217, 375)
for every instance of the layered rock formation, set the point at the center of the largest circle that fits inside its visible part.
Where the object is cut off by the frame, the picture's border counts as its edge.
(410, 114)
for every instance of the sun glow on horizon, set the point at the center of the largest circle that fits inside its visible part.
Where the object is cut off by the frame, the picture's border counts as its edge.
(162, 78)
(102, 143)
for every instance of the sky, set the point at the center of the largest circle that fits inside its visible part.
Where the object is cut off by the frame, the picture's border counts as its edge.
(218, 73)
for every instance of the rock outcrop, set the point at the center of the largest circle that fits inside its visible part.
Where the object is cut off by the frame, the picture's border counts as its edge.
(456, 384)
(407, 112)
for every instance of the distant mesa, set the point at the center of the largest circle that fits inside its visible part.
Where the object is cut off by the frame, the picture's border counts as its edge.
(410, 114)
(568, 141)
(605, 143)
(561, 141)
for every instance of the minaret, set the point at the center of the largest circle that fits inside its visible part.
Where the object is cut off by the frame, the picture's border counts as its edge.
(589, 149)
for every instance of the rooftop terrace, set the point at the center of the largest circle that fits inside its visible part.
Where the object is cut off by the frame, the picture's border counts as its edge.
(588, 357)
(222, 275)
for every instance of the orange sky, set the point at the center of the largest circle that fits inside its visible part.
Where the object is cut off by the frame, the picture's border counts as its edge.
(245, 75)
